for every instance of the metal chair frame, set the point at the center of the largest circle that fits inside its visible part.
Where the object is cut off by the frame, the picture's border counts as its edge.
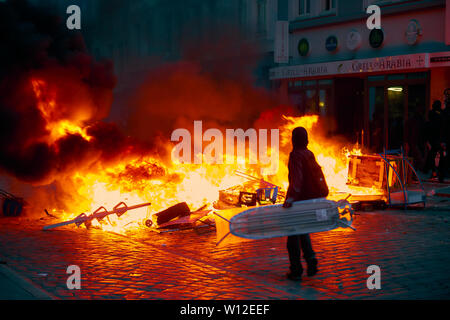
(403, 179)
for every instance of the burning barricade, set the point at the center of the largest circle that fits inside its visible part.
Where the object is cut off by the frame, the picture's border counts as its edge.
(388, 177)
(250, 193)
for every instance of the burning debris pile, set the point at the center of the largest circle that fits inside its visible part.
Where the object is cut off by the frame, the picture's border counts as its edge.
(250, 193)
(54, 98)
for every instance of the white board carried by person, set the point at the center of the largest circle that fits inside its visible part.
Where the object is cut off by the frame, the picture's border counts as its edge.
(264, 222)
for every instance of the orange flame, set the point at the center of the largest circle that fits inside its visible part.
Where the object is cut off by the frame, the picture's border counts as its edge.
(48, 107)
(147, 179)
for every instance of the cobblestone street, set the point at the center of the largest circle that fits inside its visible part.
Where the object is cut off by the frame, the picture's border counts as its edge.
(411, 248)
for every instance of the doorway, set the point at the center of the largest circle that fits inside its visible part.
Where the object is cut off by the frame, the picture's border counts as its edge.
(349, 112)
(397, 107)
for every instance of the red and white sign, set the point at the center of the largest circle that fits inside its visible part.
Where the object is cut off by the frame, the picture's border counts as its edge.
(281, 52)
(440, 59)
(380, 64)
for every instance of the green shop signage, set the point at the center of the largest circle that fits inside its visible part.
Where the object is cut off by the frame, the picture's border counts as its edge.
(303, 47)
(376, 38)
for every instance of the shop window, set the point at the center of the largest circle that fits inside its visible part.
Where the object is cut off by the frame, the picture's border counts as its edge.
(396, 116)
(311, 105)
(310, 83)
(376, 78)
(415, 126)
(324, 101)
(396, 77)
(417, 75)
(325, 82)
(312, 97)
(376, 118)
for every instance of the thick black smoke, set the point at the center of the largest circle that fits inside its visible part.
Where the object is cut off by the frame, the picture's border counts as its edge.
(36, 44)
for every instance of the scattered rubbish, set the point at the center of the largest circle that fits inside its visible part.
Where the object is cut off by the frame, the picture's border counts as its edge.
(180, 217)
(12, 205)
(176, 211)
(98, 214)
(247, 198)
(253, 192)
(50, 215)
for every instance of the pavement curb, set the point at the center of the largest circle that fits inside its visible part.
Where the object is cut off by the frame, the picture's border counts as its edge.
(26, 284)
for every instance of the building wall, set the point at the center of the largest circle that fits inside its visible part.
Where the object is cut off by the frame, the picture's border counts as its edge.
(447, 23)
(394, 27)
(131, 32)
(440, 80)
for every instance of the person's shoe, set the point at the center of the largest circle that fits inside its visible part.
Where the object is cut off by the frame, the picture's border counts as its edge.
(294, 276)
(312, 267)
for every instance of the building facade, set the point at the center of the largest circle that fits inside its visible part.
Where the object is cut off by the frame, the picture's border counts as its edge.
(371, 86)
(136, 33)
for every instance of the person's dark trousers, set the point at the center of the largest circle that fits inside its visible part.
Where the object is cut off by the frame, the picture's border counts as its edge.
(442, 169)
(294, 243)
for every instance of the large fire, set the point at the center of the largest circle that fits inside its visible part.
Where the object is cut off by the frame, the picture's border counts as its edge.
(48, 107)
(149, 179)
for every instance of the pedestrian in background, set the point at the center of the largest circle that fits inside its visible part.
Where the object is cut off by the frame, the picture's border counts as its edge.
(436, 136)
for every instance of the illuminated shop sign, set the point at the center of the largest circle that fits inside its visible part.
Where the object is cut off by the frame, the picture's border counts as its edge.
(394, 63)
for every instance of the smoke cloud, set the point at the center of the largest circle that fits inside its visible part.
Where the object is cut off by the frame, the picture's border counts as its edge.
(37, 48)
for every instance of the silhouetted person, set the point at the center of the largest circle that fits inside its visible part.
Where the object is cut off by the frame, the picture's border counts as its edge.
(436, 136)
(298, 191)
(414, 141)
(447, 130)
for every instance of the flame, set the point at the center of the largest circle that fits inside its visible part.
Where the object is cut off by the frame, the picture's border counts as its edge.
(163, 184)
(47, 105)
(332, 157)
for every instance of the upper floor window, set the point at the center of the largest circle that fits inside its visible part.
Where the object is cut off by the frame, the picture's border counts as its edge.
(328, 5)
(242, 13)
(382, 2)
(261, 16)
(304, 7)
(312, 8)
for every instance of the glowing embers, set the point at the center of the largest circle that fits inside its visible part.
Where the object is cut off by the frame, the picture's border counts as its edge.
(57, 126)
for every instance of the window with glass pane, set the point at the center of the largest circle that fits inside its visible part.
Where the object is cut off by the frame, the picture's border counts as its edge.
(311, 102)
(304, 7)
(261, 10)
(324, 101)
(329, 5)
(242, 13)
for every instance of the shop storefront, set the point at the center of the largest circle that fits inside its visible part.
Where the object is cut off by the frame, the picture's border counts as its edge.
(379, 102)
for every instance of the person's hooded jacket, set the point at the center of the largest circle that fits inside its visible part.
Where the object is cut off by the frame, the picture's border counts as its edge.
(298, 158)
